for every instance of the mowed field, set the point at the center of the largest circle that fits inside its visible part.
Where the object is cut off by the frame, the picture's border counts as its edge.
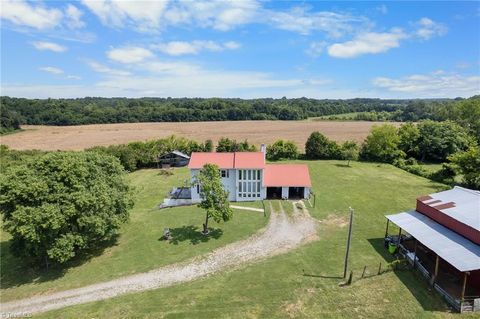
(257, 132)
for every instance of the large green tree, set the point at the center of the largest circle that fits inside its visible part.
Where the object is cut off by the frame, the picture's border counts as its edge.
(214, 196)
(350, 151)
(438, 140)
(318, 146)
(409, 135)
(282, 150)
(382, 144)
(467, 163)
(58, 204)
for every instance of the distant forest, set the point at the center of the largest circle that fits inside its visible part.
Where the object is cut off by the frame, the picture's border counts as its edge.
(92, 110)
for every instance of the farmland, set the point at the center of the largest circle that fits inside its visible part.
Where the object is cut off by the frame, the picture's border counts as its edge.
(301, 284)
(257, 132)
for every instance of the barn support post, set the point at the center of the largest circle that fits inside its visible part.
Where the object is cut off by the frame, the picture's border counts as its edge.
(386, 229)
(398, 239)
(435, 274)
(415, 253)
(464, 286)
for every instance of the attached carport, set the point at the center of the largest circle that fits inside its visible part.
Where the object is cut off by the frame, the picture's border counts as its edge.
(287, 181)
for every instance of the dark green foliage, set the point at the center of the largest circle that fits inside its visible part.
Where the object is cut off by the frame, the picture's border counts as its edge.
(9, 120)
(374, 116)
(282, 150)
(61, 203)
(467, 114)
(208, 146)
(409, 135)
(438, 140)
(92, 110)
(214, 196)
(137, 155)
(228, 145)
(350, 151)
(318, 146)
(381, 145)
(468, 164)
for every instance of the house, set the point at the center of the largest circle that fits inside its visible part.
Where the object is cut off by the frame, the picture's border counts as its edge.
(441, 239)
(247, 177)
(174, 159)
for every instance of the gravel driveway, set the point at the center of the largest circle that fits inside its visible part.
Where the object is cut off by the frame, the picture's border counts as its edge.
(280, 235)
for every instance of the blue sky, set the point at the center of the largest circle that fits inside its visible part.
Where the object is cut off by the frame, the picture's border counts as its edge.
(239, 48)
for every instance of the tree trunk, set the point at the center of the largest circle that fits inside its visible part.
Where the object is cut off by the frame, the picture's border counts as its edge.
(348, 163)
(205, 226)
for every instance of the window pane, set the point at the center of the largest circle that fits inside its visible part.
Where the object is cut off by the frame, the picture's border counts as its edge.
(240, 187)
(249, 186)
(258, 174)
(240, 174)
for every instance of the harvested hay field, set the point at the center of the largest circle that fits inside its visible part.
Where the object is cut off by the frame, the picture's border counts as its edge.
(84, 136)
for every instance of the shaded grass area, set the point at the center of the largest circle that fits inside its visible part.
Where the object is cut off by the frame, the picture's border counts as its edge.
(305, 282)
(139, 247)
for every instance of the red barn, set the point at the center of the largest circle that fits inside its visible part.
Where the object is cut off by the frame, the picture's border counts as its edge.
(441, 238)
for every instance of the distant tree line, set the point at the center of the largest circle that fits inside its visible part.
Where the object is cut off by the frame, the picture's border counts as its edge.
(92, 110)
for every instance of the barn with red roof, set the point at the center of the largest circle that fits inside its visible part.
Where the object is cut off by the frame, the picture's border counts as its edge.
(247, 177)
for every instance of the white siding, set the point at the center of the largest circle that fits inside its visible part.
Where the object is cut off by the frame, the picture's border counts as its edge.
(306, 192)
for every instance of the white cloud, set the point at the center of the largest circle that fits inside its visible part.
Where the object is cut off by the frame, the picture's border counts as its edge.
(142, 15)
(382, 9)
(427, 29)
(304, 21)
(43, 45)
(223, 15)
(367, 43)
(24, 14)
(316, 48)
(194, 47)
(217, 14)
(74, 17)
(232, 45)
(52, 70)
(73, 77)
(129, 54)
(100, 68)
(435, 84)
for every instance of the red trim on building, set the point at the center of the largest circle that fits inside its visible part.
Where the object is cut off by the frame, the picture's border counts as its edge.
(437, 215)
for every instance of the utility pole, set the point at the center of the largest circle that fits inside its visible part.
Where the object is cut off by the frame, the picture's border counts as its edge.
(348, 243)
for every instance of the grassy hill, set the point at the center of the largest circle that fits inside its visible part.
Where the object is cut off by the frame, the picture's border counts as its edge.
(139, 247)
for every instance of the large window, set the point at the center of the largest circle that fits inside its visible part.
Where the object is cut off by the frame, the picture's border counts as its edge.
(249, 181)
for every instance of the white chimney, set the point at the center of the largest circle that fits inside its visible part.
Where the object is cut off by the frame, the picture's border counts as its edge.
(263, 149)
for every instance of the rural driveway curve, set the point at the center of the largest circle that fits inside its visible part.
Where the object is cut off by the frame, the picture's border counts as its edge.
(281, 234)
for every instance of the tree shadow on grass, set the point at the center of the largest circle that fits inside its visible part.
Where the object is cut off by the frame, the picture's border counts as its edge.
(343, 165)
(193, 234)
(413, 281)
(17, 271)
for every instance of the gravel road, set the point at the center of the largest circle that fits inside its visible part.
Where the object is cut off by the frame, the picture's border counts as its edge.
(281, 234)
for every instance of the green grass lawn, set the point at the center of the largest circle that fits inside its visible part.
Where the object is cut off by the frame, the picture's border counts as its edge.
(305, 282)
(139, 247)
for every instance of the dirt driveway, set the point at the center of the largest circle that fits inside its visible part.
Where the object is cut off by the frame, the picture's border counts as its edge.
(282, 234)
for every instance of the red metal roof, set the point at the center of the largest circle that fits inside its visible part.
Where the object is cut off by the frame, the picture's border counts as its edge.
(223, 160)
(249, 160)
(294, 175)
(241, 160)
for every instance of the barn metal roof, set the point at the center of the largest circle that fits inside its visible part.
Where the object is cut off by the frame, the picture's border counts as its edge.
(450, 246)
(464, 205)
